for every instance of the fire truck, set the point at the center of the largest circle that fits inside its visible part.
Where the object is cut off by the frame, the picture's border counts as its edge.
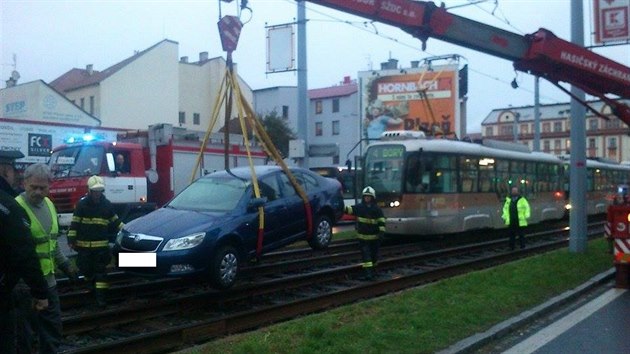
(541, 53)
(157, 163)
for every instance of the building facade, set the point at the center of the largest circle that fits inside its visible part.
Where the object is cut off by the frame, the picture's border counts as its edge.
(607, 139)
(333, 124)
(152, 86)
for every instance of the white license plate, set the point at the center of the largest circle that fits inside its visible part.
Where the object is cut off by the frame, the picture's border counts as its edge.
(137, 260)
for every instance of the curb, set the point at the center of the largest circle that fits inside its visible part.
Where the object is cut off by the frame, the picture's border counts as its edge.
(499, 330)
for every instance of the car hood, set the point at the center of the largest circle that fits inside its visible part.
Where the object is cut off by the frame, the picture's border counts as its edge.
(170, 223)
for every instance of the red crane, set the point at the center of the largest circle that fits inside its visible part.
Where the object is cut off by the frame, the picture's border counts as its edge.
(540, 53)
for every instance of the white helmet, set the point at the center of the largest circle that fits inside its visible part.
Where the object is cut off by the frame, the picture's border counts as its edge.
(96, 183)
(369, 191)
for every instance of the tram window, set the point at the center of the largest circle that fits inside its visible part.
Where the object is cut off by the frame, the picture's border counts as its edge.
(503, 176)
(414, 175)
(486, 175)
(469, 174)
(444, 175)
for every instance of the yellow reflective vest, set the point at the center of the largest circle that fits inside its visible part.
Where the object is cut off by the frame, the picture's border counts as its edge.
(522, 207)
(45, 245)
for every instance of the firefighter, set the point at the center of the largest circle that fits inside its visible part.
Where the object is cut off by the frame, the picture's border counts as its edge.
(370, 226)
(17, 254)
(93, 222)
(45, 325)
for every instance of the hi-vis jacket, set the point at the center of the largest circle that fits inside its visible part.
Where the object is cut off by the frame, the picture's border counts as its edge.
(522, 207)
(93, 223)
(370, 220)
(45, 243)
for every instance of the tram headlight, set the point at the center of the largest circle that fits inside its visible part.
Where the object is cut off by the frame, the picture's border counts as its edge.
(394, 204)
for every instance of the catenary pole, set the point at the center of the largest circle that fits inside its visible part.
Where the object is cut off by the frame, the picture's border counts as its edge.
(577, 183)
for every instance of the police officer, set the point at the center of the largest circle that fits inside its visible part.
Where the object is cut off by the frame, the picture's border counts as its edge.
(516, 211)
(18, 259)
(93, 222)
(370, 227)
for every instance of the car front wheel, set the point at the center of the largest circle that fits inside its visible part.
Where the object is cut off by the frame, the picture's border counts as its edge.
(322, 233)
(224, 267)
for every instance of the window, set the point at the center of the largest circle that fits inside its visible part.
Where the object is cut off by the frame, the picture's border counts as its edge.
(507, 129)
(557, 127)
(524, 128)
(546, 146)
(335, 127)
(182, 117)
(592, 124)
(318, 107)
(285, 112)
(557, 146)
(489, 131)
(469, 174)
(591, 143)
(82, 102)
(318, 129)
(196, 119)
(612, 143)
(91, 104)
(546, 128)
(335, 105)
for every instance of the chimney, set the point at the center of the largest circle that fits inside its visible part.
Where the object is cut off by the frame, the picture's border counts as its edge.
(346, 80)
(184, 59)
(415, 63)
(390, 64)
(90, 69)
(203, 56)
(393, 63)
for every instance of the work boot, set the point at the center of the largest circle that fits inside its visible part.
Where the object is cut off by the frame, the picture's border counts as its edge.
(101, 294)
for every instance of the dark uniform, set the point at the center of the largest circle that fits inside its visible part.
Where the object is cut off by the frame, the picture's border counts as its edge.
(93, 222)
(370, 226)
(18, 259)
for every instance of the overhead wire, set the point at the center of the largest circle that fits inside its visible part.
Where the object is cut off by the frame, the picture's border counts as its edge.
(363, 26)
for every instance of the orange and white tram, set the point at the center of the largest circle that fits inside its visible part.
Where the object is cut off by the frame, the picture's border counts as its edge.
(436, 186)
(603, 181)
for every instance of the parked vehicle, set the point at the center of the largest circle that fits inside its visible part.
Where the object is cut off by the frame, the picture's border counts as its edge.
(212, 226)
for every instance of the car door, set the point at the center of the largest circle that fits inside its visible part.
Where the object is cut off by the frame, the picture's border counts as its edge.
(274, 210)
(295, 218)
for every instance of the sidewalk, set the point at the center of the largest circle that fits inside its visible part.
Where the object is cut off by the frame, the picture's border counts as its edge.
(507, 327)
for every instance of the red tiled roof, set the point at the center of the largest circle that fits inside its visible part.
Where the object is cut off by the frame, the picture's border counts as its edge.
(334, 91)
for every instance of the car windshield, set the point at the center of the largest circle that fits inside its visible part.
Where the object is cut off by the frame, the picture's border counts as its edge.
(211, 194)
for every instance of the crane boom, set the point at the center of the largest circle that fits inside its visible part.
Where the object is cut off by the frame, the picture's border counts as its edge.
(541, 53)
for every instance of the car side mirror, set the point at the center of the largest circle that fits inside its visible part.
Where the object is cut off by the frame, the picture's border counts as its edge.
(256, 203)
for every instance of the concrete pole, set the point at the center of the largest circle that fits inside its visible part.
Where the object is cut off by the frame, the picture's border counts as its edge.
(577, 183)
(302, 119)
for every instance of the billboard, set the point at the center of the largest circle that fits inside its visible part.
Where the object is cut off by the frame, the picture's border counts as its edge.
(612, 21)
(410, 99)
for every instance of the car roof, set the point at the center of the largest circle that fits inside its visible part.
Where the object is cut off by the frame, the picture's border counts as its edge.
(244, 172)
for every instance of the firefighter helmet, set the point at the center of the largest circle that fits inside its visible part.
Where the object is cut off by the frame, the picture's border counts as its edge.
(96, 183)
(369, 191)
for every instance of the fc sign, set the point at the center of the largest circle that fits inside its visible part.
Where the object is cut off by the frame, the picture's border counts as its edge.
(39, 144)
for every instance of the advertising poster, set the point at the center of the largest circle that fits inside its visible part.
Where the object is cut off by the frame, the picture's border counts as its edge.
(423, 100)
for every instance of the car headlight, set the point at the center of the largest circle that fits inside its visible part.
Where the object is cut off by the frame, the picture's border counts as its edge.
(119, 236)
(184, 243)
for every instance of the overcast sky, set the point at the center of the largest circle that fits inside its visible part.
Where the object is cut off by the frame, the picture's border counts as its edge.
(50, 37)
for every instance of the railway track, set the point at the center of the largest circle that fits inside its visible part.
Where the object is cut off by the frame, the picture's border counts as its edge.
(161, 320)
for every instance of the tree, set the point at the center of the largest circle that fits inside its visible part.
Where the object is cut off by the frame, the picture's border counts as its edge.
(279, 132)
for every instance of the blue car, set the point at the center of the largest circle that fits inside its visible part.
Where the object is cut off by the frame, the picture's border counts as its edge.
(212, 226)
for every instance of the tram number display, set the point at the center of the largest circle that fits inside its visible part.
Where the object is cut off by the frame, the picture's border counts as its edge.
(387, 152)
